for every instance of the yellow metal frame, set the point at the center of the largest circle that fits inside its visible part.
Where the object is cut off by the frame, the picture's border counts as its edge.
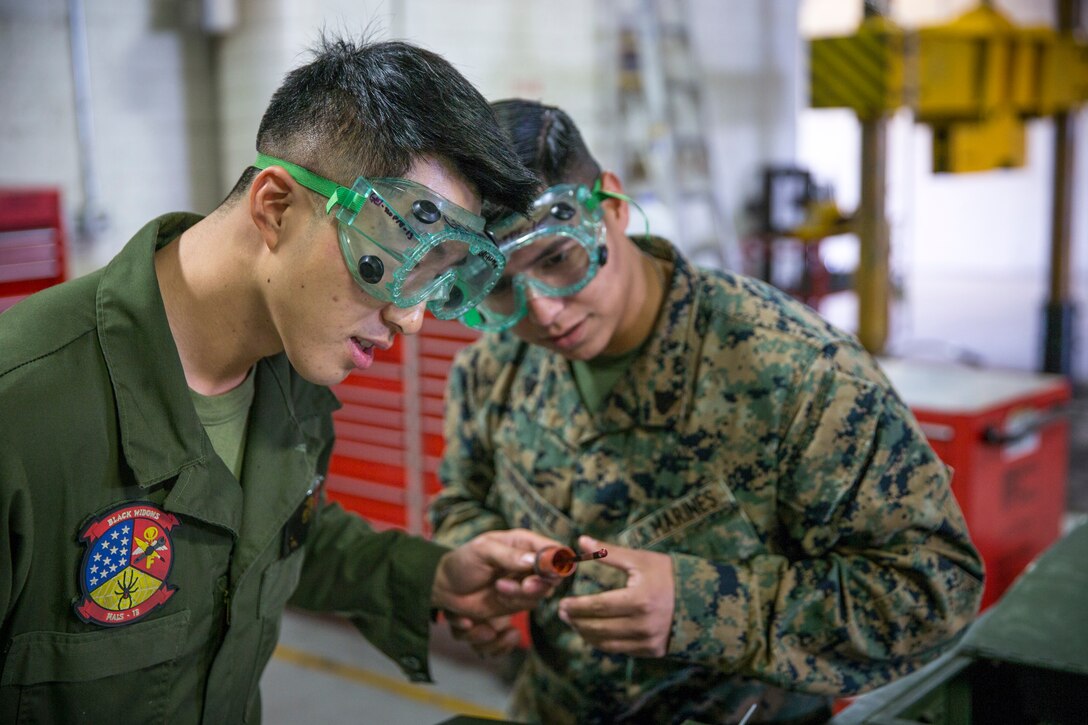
(975, 79)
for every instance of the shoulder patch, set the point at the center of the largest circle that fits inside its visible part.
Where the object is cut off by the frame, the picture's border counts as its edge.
(125, 567)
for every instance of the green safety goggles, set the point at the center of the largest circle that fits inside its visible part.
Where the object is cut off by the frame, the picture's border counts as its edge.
(406, 244)
(555, 250)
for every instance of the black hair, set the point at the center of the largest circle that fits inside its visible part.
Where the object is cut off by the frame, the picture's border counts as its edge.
(547, 140)
(373, 108)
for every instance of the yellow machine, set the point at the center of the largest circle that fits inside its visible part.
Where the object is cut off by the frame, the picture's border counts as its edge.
(974, 80)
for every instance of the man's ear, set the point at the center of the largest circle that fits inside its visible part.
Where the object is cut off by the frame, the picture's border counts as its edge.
(271, 194)
(616, 211)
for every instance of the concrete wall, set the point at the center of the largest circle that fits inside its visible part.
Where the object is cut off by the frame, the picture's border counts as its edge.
(153, 111)
(175, 110)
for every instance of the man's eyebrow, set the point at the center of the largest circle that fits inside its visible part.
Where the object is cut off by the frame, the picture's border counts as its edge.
(556, 241)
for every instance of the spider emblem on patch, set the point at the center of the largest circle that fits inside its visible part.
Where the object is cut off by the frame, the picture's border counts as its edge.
(125, 567)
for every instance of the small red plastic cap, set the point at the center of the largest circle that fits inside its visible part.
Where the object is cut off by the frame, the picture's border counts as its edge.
(555, 561)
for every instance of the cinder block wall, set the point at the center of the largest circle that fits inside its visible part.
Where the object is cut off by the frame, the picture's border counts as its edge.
(175, 109)
(152, 103)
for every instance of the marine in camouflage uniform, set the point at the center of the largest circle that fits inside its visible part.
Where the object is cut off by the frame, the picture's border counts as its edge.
(817, 549)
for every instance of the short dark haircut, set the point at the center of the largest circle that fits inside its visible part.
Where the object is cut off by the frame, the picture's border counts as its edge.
(547, 140)
(373, 108)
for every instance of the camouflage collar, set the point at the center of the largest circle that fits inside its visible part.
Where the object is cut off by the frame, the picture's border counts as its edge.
(659, 380)
(654, 391)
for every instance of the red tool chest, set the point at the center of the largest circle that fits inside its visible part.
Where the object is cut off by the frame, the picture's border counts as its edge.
(1005, 435)
(32, 244)
(389, 433)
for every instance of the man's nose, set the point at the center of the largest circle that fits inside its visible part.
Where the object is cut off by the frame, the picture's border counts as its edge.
(404, 320)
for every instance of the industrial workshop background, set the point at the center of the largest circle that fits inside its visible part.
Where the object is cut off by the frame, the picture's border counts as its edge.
(135, 107)
(914, 169)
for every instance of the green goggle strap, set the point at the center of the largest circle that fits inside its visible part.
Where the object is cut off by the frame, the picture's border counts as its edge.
(472, 319)
(335, 193)
(597, 194)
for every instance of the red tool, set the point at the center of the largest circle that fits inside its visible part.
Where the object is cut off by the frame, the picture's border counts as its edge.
(560, 561)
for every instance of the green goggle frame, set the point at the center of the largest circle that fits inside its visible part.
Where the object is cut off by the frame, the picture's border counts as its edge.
(406, 244)
(568, 213)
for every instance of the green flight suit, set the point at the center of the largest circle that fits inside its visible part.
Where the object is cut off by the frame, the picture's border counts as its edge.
(96, 415)
(817, 548)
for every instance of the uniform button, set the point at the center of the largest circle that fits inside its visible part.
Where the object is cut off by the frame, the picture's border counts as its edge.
(409, 662)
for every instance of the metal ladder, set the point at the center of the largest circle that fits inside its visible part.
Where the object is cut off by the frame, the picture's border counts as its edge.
(663, 119)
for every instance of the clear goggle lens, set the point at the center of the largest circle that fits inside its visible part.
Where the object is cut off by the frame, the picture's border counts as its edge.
(555, 265)
(408, 245)
(403, 243)
(555, 250)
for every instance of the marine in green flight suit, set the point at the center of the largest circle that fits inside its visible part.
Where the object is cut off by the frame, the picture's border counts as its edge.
(116, 426)
(144, 563)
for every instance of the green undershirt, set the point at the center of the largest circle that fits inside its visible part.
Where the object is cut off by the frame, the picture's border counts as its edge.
(595, 378)
(224, 419)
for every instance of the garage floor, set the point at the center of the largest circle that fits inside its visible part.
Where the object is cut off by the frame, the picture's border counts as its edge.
(325, 672)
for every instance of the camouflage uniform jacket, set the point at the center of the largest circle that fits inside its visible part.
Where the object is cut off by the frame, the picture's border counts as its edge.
(817, 548)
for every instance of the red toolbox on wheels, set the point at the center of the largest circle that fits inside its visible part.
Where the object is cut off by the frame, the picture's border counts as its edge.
(32, 245)
(389, 437)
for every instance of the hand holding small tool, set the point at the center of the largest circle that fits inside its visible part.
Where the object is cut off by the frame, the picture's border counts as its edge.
(560, 561)
(635, 619)
(497, 635)
(491, 575)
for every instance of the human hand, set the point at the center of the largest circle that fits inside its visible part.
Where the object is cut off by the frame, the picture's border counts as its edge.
(490, 638)
(491, 575)
(635, 620)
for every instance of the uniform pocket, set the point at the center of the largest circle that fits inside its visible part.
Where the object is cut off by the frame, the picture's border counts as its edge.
(278, 583)
(96, 676)
(522, 504)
